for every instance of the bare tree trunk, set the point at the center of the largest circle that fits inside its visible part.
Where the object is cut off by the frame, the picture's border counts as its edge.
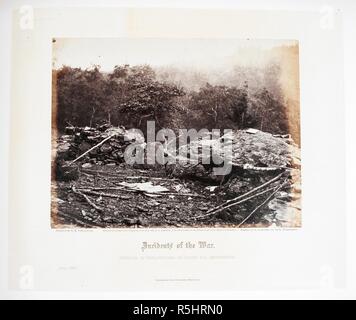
(92, 117)
(215, 115)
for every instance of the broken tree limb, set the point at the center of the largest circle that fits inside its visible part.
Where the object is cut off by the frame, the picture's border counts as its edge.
(82, 189)
(151, 178)
(181, 194)
(233, 204)
(254, 168)
(91, 149)
(110, 195)
(102, 194)
(123, 176)
(87, 199)
(268, 199)
(246, 194)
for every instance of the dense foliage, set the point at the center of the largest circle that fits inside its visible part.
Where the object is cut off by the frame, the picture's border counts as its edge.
(131, 95)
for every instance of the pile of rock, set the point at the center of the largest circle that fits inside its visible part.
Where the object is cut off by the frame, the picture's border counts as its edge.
(255, 158)
(78, 140)
(248, 151)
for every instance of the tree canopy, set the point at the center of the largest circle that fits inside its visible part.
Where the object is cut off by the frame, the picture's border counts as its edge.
(131, 95)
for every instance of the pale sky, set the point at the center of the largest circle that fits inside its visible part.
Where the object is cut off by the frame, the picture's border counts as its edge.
(197, 53)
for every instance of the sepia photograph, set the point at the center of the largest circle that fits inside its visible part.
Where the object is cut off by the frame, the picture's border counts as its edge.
(175, 133)
(175, 151)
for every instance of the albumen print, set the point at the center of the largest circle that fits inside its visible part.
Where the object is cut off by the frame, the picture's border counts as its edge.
(175, 133)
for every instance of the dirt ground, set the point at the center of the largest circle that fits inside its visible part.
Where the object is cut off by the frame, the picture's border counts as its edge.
(98, 199)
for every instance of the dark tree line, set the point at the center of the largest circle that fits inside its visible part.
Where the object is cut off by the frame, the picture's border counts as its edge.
(131, 95)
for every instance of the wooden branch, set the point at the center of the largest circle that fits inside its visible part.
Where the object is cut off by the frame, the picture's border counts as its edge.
(93, 193)
(100, 188)
(110, 195)
(179, 194)
(233, 204)
(92, 172)
(87, 199)
(91, 149)
(268, 199)
(247, 193)
(150, 178)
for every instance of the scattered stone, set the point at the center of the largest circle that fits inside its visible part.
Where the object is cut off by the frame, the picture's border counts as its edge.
(129, 221)
(142, 209)
(256, 153)
(269, 218)
(251, 131)
(296, 163)
(153, 203)
(277, 205)
(125, 197)
(109, 220)
(253, 153)
(181, 188)
(78, 140)
(142, 222)
(238, 217)
(203, 208)
(65, 172)
(283, 195)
